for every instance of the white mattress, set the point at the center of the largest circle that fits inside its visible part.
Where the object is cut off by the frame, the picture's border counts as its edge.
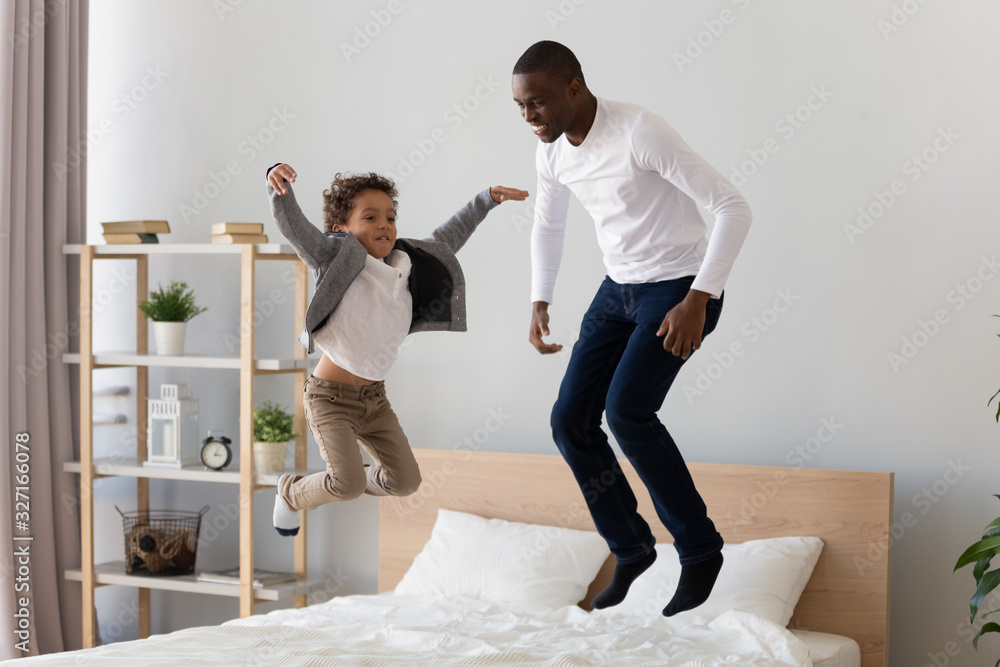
(394, 630)
(830, 650)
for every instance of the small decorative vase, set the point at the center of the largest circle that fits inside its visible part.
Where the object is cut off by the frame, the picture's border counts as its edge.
(269, 457)
(169, 337)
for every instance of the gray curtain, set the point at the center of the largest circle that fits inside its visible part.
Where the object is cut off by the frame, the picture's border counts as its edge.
(43, 83)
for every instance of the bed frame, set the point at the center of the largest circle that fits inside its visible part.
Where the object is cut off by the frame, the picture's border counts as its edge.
(847, 595)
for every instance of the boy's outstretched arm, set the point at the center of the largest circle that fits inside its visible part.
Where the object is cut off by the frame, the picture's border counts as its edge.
(311, 245)
(459, 227)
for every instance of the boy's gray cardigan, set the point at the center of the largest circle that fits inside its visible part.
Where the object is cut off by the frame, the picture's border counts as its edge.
(436, 283)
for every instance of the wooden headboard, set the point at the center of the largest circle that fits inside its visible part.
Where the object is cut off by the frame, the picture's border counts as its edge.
(847, 595)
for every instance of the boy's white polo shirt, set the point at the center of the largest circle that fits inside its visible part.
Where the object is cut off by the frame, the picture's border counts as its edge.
(365, 331)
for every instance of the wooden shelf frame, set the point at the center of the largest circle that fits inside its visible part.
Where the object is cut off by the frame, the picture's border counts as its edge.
(127, 359)
(92, 575)
(129, 250)
(113, 573)
(132, 467)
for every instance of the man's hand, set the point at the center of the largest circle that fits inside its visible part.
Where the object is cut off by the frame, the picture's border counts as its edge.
(501, 194)
(278, 175)
(540, 327)
(683, 325)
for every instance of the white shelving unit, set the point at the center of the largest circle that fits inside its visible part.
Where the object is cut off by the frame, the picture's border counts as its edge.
(92, 574)
(104, 359)
(114, 573)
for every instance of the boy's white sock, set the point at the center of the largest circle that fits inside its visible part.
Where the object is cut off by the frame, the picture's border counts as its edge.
(286, 521)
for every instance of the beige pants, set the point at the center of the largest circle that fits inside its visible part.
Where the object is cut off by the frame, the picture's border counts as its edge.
(341, 417)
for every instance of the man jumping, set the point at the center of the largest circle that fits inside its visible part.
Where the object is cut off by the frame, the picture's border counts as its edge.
(662, 295)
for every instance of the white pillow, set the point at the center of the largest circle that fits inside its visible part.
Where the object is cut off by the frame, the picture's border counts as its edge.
(762, 577)
(505, 561)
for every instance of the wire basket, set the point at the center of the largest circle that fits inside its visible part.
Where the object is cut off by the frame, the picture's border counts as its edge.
(161, 543)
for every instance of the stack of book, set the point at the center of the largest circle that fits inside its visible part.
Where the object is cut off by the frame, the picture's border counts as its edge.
(238, 232)
(134, 231)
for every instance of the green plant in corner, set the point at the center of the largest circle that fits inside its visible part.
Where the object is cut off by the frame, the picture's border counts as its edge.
(173, 304)
(272, 424)
(981, 553)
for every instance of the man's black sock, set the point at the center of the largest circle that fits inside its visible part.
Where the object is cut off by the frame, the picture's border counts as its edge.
(620, 582)
(695, 585)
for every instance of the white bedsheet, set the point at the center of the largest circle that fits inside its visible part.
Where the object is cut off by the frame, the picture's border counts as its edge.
(394, 630)
(829, 650)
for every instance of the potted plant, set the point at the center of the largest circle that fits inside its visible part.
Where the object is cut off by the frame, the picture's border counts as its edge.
(981, 553)
(170, 309)
(272, 433)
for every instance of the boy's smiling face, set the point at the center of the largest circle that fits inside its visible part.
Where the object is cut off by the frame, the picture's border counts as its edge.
(373, 222)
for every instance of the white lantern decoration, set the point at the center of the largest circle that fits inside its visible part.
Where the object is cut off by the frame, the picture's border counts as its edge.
(172, 436)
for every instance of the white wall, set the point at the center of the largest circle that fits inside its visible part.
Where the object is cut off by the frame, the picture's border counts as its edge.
(227, 66)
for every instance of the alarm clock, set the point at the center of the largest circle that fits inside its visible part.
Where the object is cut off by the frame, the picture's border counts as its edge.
(215, 452)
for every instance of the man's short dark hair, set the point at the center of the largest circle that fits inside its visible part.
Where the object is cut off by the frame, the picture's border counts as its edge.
(556, 60)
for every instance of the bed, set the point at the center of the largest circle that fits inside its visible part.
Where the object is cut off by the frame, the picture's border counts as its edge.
(839, 617)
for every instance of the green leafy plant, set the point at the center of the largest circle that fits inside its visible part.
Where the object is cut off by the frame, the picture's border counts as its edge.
(981, 553)
(173, 304)
(272, 424)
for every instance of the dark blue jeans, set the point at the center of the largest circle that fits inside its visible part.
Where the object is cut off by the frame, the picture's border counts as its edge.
(619, 366)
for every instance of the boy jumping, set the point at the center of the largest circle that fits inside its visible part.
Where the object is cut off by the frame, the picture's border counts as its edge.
(372, 290)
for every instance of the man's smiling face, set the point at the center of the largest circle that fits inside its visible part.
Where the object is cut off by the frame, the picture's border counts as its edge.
(544, 104)
(373, 222)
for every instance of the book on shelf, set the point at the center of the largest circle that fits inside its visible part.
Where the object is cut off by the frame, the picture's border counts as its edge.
(137, 226)
(261, 577)
(130, 238)
(239, 238)
(237, 228)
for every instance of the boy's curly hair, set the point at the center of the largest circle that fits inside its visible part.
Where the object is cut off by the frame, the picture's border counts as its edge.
(338, 201)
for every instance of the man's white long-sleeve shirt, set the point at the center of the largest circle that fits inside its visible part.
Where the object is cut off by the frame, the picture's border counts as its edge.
(642, 185)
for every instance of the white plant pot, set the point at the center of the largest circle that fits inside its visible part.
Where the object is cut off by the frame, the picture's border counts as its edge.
(169, 337)
(269, 457)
